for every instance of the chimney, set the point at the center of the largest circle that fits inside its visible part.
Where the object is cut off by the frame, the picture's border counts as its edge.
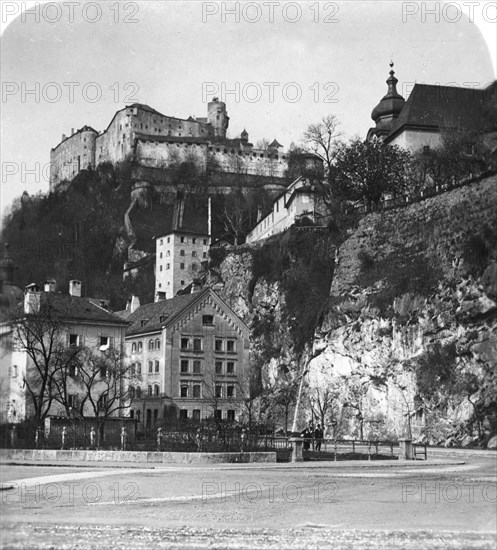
(75, 288)
(135, 304)
(32, 299)
(63, 137)
(49, 285)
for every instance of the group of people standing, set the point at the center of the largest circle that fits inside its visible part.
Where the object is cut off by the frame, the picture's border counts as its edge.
(312, 433)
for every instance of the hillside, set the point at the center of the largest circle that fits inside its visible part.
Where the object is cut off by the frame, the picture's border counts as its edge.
(408, 326)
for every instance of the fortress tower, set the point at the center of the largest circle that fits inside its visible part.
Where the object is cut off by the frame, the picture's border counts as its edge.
(217, 117)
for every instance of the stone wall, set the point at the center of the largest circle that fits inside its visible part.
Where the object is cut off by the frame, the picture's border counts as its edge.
(412, 286)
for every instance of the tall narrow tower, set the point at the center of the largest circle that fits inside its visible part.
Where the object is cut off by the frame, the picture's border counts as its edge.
(217, 117)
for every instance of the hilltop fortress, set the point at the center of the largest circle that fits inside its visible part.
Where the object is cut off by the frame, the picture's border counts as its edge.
(154, 142)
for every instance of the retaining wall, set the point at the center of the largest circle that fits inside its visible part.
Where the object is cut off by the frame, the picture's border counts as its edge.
(134, 456)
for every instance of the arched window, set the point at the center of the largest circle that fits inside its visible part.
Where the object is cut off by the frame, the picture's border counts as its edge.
(133, 347)
(157, 344)
(150, 367)
(156, 390)
(138, 368)
(138, 393)
(150, 344)
(131, 391)
(140, 347)
(157, 367)
(150, 390)
(133, 369)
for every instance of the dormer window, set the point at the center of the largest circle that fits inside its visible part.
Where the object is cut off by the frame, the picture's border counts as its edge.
(162, 319)
(143, 322)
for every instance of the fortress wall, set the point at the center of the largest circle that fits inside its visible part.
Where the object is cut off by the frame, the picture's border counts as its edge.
(75, 153)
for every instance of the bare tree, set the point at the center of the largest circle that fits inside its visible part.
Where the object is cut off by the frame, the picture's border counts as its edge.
(102, 382)
(40, 335)
(322, 139)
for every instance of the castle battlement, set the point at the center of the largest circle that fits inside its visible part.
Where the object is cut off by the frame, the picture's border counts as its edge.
(151, 139)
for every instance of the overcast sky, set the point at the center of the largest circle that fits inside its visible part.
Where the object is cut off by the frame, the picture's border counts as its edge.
(321, 57)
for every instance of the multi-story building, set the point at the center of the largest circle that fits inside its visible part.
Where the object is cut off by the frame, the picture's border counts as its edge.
(179, 255)
(429, 111)
(72, 322)
(189, 356)
(156, 141)
(300, 200)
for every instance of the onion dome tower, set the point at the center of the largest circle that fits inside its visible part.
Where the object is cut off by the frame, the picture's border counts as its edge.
(388, 109)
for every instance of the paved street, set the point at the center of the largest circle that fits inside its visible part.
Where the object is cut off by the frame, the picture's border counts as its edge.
(318, 505)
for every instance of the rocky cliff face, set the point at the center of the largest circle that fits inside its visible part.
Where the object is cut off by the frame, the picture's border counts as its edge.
(410, 329)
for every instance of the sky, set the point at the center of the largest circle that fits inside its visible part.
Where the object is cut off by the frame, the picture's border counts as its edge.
(279, 66)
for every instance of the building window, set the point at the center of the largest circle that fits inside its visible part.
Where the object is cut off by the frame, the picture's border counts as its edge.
(182, 283)
(168, 252)
(133, 347)
(73, 370)
(156, 390)
(230, 415)
(184, 343)
(219, 367)
(204, 254)
(157, 368)
(138, 392)
(71, 400)
(208, 320)
(230, 367)
(131, 392)
(194, 267)
(196, 367)
(138, 368)
(194, 240)
(205, 242)
(218, 345)
(168, 240)
(102, 402)
(181, 252)
(184, 365)
(140, 347)
(184, 390)
(150, 344)
(168, 266)
(74, 340)
(183, 413)
(150, 367)
(230, 346)
(160, 268)
(194, 254)
(157, 342)
(182, 239)
(219, 391)
(196, 391)
(182, 265)
(150, 390)
(197, 344)
(218, 414)
(230, 391)
(196, 414)
(160, 255)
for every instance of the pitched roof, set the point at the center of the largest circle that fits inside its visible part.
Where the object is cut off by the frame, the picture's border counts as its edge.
(433, 106)
(77, 308)
(153, 312)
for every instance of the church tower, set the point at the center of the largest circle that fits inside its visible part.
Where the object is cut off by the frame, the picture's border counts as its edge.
(388, 109)
(217, 117)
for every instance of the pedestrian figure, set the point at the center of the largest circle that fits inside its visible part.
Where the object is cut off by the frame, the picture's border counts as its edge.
(307, 435)
(318, 434)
